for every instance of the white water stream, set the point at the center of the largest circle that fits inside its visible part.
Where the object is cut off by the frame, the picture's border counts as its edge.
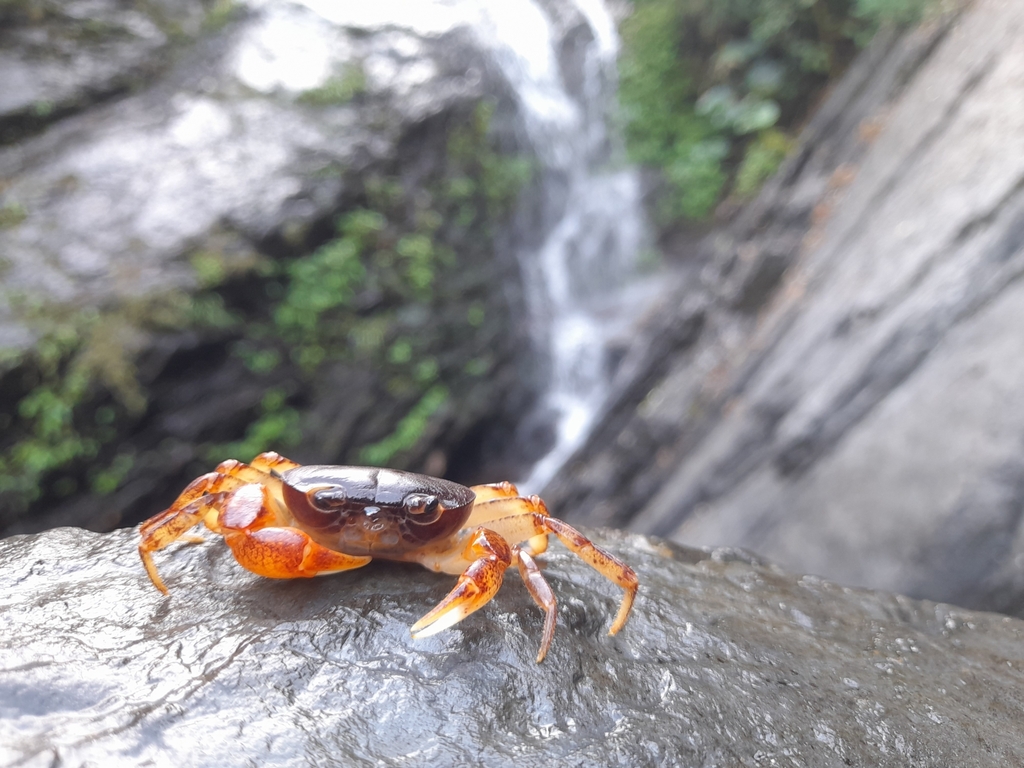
(575, 280)
(592, 250)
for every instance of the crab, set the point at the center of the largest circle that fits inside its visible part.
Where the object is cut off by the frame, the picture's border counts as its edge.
(284, 520)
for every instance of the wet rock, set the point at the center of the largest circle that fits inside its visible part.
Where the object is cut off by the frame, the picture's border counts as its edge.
(725, 661)
(859, 418)
(239, 134)
(60, 57)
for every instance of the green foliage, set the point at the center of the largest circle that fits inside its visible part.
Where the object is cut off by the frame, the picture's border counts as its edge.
(891, 11)
(409, 429)
(762, 158)
(476, 168)
(259, 361)
(374, 295)
(108, 480)
(278, 426)
(45, 425)
(710, 89)
(697, 176)
(220, 13)
(337, 90)
(81, 358)
(11, 215)
(476, 314)
(324, 280)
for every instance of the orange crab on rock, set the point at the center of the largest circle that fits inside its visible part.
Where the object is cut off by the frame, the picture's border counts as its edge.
(284, 520)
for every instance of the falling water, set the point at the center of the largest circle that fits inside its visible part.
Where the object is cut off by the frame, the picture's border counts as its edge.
(574, 281)
(591, 251)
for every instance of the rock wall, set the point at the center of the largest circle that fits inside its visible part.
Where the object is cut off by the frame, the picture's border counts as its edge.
(171, 176)
(844, 392)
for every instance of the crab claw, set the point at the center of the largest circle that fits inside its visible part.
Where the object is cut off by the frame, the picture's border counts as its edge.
(491, 555)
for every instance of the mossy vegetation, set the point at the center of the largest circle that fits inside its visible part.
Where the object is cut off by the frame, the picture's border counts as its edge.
(219, 13)
(76, 389)
(712, 91)
(338, 89)
(371, 295)
(409, 429)
(375, 296)
(11, 215)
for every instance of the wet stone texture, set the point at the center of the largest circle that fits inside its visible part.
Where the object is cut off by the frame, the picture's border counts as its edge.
(726, 661)
(840, 390)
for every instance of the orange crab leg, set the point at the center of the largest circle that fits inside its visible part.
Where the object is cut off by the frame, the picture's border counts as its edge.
(271, 462)
(247, 521)
(525, 526)
(170, 525)
(490, 555)
(541, 593)
(503, 490)
(504, 504)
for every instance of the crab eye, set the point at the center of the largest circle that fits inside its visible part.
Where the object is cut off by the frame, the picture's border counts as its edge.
(328, 499)
(422, 507)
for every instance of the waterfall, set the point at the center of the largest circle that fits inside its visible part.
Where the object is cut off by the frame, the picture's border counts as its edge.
(574, 281)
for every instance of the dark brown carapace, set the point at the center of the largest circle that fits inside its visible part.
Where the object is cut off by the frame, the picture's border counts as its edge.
(283, 520)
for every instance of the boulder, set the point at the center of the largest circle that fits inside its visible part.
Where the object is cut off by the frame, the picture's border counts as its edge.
(163, 169)
(726, 660)
(850, 407)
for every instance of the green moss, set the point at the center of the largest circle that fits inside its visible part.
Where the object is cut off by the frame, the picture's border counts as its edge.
(108, 480)
(337, 90)
(48, 436)
(11, 215)
(278, 426)
(709, 89)
(375, 296)
(81, 357)
(478, 366)
(324, 280)
(220, 13)
(259, 361)
(476, 314)
(762, 159)
(209, 267)
(409, 430)
(400, 352)
(475, 167)
(898, 12)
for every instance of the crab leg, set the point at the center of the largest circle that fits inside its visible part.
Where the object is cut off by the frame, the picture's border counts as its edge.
(489, 555)
(503, 490)
(530, 524)
(505, 502)
(171, 524)
(287, 553)
(541, 593)
(271, 462)
(248, 523)
(205, 493)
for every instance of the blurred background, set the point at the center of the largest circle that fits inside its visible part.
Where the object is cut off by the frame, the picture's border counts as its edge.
(733, 272)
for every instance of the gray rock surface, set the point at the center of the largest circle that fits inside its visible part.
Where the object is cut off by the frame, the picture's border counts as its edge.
(61, 56)
(857, 413)
(222, 143)
(725, 661)
(236, 132)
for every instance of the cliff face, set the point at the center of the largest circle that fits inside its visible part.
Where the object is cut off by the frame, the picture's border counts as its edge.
(236, 226)
(840, 391)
